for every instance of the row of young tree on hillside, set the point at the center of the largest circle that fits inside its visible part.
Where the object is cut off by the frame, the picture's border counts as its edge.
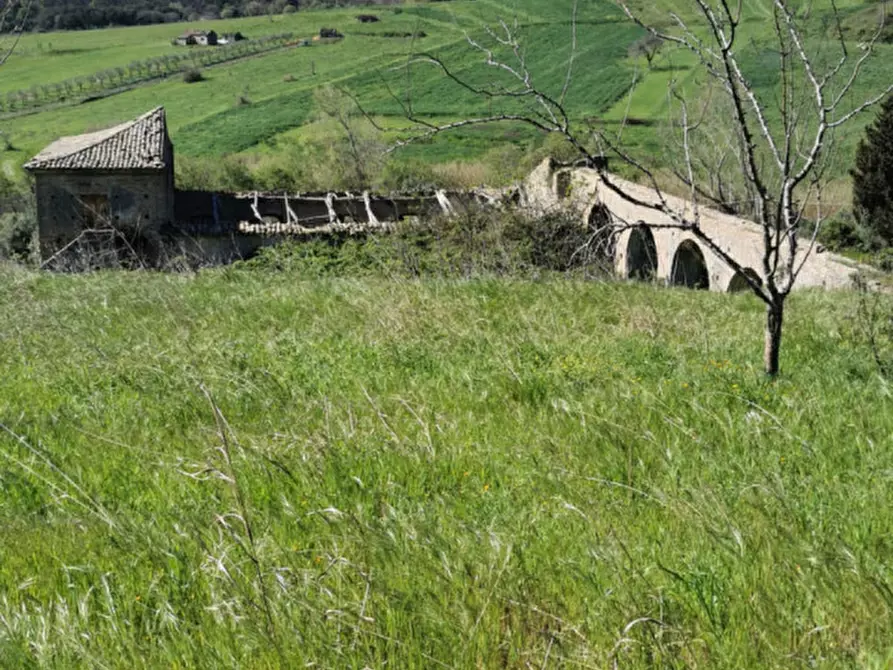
(137, 71)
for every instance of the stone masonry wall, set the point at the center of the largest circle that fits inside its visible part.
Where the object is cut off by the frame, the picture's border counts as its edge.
(137, 201)
(549, 185)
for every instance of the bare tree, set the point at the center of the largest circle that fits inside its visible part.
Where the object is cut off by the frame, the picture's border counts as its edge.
(647, 46)
(779, 141)
(355, 152)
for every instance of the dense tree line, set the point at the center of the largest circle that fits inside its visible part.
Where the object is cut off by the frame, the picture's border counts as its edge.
(45, 15)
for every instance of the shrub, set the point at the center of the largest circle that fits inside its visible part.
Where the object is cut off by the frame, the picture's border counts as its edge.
(841, 232)
(18, 236)
(329, 256)
(474, 242)
(193, 76)
(509, 241)
(883, 260)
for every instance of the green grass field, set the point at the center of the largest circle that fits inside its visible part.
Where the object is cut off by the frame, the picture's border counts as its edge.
(207, 120)
(311, 460)
(436, 473)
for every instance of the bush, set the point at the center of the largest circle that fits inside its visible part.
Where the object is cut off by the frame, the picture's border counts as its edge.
(193, 76)
(883, 260)
(503, 242)
(841, 232)
(329, 256)
(18, 237)
(486, 241)
(474, 242)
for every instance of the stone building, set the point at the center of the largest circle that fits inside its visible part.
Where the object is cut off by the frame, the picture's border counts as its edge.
(121, 178)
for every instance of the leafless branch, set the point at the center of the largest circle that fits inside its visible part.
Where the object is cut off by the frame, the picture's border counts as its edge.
(570, 65)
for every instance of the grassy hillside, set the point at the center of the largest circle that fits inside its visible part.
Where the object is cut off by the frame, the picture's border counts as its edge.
(489, 473)
(211, 119)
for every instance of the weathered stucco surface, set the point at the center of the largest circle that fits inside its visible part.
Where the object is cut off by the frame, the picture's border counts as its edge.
(671, 249)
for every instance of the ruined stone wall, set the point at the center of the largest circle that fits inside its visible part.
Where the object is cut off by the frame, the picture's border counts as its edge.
(136, 201)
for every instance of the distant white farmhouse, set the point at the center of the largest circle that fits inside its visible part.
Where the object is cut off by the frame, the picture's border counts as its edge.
(197, 37)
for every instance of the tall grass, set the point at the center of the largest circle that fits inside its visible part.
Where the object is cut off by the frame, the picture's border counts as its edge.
(257, 468)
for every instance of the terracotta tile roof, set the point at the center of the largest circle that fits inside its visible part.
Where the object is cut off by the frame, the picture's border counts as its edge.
(135, 145)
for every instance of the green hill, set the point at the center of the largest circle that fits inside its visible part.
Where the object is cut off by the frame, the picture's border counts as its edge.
(249, 105)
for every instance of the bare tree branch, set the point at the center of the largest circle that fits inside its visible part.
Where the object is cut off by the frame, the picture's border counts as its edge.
(573, 56)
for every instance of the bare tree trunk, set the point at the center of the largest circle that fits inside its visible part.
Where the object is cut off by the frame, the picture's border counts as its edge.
(772, 347)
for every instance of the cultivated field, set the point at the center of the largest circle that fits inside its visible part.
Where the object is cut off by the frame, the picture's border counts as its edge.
(256, 105)
(300, 467)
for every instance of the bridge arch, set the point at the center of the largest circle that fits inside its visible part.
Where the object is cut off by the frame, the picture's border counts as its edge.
(604, 238)
(689, 267)
(739, 283)
(641, 254)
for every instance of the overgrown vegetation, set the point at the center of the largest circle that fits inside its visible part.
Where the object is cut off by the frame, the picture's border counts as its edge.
(475, 242)
(18, 237)
(875, 323)
(18, 222)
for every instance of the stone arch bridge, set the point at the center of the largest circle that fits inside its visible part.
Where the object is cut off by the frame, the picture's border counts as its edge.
(646, 250)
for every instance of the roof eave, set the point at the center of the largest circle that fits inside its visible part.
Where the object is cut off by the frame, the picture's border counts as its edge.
(36, 169)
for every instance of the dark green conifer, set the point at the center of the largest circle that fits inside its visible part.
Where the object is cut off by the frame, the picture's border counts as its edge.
(873, 178)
